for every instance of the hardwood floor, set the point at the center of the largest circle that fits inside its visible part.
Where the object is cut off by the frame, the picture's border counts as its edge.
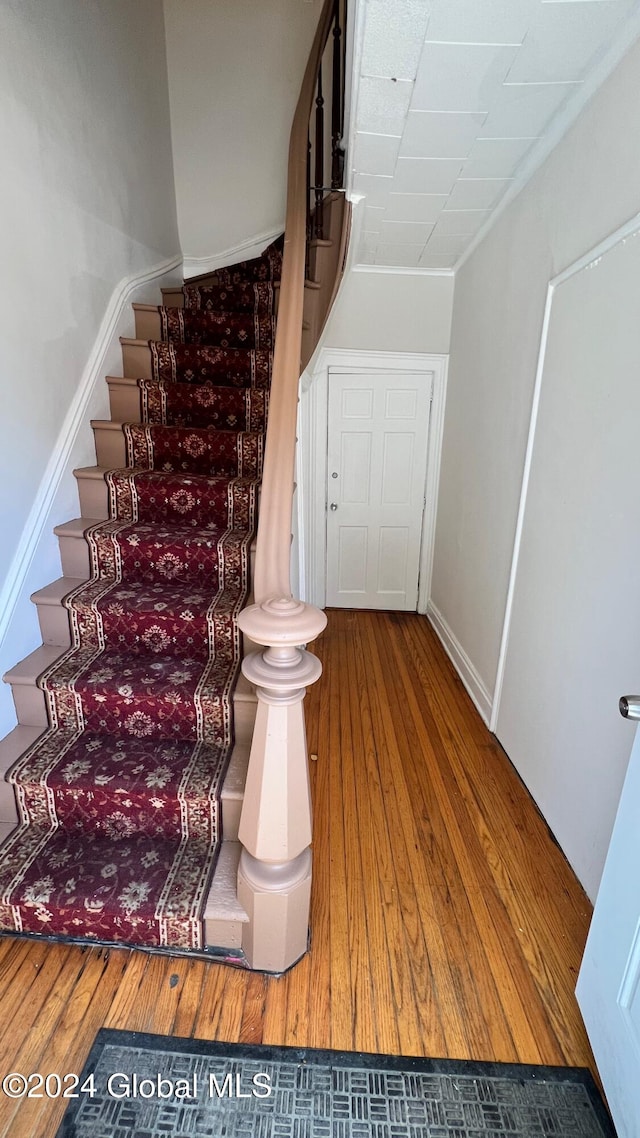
(445, 921)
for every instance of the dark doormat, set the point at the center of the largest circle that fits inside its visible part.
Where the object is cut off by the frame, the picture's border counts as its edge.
(152, 1086)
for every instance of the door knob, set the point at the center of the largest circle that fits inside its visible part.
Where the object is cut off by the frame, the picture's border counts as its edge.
(630, 706)
(333, 506)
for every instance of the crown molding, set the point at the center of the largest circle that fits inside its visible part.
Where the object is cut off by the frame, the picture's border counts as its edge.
(396, 270)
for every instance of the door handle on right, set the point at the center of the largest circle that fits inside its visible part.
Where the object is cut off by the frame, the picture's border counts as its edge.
(630, 706)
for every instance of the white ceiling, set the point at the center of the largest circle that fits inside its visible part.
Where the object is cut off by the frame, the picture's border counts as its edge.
(453, 97)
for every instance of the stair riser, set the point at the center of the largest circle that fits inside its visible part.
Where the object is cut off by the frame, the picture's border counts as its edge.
(111, 453)
(55, 628)
(30, 705)
(54, 625)
(8, 808)
(94, 496)
(111, 448)
(14, 745)
(11, 748)
(136, 361)
(31, 709)
(231, 811)
(147, 323)
(224, 917)
(173, 298)
(74, 555)
(223, 934)
(125, 403)
(125, 406)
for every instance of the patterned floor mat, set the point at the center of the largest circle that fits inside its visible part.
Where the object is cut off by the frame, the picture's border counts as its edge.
(150, 1086)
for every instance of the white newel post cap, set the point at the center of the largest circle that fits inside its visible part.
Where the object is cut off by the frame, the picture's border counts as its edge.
(282, 621)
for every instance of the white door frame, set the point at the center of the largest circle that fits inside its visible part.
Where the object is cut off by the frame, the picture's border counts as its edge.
(311, 465)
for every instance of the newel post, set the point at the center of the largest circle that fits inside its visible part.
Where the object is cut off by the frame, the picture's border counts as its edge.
(274, 876)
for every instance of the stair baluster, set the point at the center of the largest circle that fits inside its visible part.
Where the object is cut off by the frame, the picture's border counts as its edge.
(319, 154)
(337, 110)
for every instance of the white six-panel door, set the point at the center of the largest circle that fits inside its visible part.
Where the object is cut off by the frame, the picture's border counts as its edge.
(378, 431)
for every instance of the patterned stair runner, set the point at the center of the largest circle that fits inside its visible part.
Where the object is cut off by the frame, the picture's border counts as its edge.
(119, 805)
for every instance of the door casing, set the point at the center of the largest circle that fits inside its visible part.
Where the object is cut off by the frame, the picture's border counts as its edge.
(311, 463)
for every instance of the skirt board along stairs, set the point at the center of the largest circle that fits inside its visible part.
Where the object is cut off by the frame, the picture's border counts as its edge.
(134, 722)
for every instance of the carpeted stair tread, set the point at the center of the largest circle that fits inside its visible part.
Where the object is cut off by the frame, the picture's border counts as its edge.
(203, 405)
(87, 781)
(143, 696)
(266, 267)
(226, 329)
(152, 617)
(206, 363)
(172, 553)
(137, 889)
(239, 297)
(196, 450)
(188, 499)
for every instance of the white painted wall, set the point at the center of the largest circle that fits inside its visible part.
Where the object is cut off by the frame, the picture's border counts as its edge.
(574, 634)
(391, 312)
(87, 199)
(235, 69)
(585, 190)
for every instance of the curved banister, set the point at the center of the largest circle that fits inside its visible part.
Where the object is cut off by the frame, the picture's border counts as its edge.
(272, 575)
(274, 871)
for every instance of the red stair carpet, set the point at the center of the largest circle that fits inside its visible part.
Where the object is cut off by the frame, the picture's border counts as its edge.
(119, 799)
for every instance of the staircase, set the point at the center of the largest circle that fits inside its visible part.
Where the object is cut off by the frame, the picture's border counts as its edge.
(134, 725)
(139, 744)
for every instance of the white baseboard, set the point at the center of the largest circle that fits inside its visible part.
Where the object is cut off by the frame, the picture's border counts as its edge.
(253, 247)
(461, 662)
(37, 549)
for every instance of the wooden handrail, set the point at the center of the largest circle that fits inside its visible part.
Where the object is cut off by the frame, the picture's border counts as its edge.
(272, 576)
(274, 871)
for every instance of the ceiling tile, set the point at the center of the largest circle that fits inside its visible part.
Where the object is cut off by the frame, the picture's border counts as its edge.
(373, 216)
(434, 157)
(563, 38)
(446, 246)
(478, 193)
(404, 232)
(455, 77)
(437, 261)
(382, 105)
(487, 21)
(460, 222)
(430, 134)
(496, 157)
(375, 153)
(406, 256)
(425, 175)
(375, 189)
(524, 109)
(414, 207)
(393, 36)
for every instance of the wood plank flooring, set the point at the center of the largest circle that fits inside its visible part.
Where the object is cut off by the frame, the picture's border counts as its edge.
(445, 921)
